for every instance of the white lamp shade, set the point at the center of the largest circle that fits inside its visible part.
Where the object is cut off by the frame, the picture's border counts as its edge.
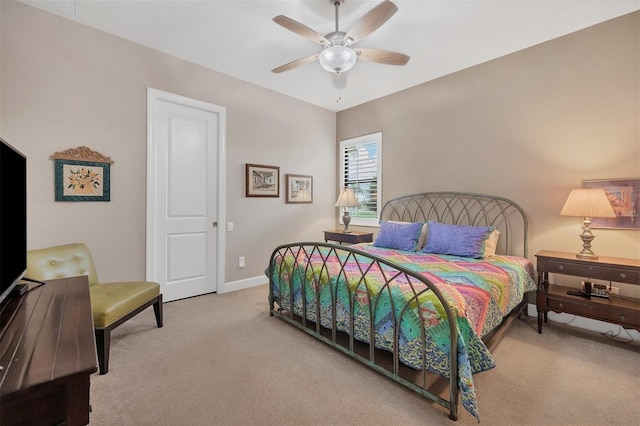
(338, 58)
(347, 198)
(588, 202)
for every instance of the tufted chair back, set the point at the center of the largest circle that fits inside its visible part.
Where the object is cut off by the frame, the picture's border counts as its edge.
(64, 261)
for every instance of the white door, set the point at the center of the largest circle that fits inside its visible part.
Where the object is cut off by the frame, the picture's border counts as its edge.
(185, 189)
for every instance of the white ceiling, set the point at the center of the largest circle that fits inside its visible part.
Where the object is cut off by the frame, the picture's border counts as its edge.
(240, 39)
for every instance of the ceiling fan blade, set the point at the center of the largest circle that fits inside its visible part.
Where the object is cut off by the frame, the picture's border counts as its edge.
(339, 80)
(300, 29)
(296, 63)
(371, 21)
(382, 56)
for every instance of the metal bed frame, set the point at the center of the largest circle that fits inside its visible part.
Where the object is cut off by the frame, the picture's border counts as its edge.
(460, 208)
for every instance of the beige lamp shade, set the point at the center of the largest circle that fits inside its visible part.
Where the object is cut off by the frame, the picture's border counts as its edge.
(588, 202)
(347, 198)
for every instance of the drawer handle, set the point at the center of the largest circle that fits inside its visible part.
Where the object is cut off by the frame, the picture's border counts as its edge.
(623, 275)
(623, 318)
(561, 305)
(561, 267)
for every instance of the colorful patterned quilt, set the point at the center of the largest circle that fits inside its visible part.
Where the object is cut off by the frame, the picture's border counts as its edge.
(480, 292)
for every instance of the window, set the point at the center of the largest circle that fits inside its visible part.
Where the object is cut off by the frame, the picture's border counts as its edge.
(361, 170)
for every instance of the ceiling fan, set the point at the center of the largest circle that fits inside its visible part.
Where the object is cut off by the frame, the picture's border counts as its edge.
(337, 55)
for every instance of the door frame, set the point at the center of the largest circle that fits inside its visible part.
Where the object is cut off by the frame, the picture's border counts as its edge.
(153, 96)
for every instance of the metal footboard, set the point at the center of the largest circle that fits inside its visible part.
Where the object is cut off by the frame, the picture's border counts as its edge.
(314, 279)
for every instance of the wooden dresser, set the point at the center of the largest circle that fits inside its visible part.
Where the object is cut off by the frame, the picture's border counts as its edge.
(624, 311)
(47, 353)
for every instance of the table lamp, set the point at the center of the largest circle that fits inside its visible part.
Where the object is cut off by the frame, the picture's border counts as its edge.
(587, 203)
(347, 199)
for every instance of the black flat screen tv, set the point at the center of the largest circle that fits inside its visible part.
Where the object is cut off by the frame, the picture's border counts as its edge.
(13, 218)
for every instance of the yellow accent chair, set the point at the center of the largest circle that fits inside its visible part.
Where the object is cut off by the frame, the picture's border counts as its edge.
(111, 303)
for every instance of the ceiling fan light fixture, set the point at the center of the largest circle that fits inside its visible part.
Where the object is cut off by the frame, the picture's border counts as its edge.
(337, 55)
(338, 58)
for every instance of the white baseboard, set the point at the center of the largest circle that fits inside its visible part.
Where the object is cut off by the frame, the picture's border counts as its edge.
(242, 284)
(588, 324)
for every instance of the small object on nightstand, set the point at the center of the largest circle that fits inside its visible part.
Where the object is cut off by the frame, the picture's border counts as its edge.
(599, 290)
(578, 293)
(591, 289)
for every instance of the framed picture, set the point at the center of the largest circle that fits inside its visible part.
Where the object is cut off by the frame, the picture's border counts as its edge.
(262, 181)
(81, 174)
(624, 195)
(82, 181)
(299, 189)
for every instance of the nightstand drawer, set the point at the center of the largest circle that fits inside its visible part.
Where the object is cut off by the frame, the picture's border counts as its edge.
(348, 237)
(594, 272)
(603, 312)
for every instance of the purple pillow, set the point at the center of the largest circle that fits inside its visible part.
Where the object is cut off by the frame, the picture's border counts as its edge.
(457, 240)
(399, 236)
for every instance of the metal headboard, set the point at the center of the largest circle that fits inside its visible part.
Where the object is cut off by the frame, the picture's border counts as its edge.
(465, 208)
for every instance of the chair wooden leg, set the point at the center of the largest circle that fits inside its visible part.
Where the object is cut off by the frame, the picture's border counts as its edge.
(103, 335)
(157, 309)
(103, 342)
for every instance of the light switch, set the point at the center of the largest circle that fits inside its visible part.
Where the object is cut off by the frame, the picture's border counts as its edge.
(229, 226)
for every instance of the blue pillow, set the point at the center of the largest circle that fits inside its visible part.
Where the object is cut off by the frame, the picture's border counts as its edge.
(399, 236)
(456, 240)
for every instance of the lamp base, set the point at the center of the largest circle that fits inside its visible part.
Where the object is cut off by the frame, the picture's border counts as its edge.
(588, 256)
(346, 219)
(586, 237)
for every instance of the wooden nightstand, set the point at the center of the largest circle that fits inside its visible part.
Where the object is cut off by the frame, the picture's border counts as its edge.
(352, 237)
(624, 311)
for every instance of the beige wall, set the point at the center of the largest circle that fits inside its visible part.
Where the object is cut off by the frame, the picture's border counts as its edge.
(64, 85)
(528, 126)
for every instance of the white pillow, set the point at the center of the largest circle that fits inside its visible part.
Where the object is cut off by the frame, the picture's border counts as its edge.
(422, 239)
(491, 243)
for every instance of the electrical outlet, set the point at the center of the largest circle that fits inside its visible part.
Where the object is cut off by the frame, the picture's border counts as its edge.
(241, 262)
(614, 291)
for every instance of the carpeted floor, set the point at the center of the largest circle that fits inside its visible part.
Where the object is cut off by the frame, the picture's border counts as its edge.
(221, 360)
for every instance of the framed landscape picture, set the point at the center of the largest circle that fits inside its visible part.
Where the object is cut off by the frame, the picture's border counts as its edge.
(262, 181)
(299, 189)
(624, 196)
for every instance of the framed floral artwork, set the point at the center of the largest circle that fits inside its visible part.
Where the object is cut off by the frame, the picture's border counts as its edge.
(299, 189)
(262, 181)
(82, 175)
(624, 196)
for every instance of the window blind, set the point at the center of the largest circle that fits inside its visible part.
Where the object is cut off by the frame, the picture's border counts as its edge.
(361, 171)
